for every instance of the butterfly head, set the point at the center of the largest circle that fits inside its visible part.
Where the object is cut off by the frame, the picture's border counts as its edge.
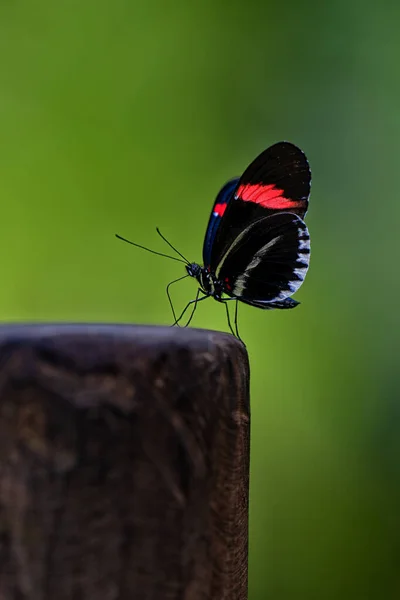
(194, 270)
(209, 283)
(202, 275)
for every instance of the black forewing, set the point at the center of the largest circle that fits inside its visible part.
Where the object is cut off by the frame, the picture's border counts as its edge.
(285, 167)
(267, 261)
(278, 180)
(225, 195)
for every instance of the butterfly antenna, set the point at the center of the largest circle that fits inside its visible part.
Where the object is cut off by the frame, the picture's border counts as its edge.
(153, 251)
(171, 246)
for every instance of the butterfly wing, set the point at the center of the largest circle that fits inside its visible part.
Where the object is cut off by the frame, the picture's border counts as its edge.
(218, 210)
(285, 303)
(267, 262)
(277, 181)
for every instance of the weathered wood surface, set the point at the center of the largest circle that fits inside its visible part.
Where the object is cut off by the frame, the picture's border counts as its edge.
(124, 456)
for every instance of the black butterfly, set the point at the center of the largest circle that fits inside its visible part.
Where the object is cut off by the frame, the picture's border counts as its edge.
(257, 246)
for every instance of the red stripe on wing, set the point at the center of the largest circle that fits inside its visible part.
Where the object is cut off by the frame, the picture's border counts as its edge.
(268, 196)
(219, 209)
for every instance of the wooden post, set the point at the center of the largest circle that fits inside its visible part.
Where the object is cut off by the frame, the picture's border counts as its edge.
(124, 457)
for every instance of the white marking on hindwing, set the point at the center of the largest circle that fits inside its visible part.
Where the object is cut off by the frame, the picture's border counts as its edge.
(255, 261)
(300, 272)
(304, 244)
(234, 243)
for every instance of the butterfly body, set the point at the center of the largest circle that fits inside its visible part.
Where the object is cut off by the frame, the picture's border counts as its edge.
(210, 285)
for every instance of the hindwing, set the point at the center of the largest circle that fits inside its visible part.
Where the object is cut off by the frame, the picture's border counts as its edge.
(267, 261)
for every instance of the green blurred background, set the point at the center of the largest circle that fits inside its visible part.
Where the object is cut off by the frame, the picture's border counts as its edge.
(117, 116)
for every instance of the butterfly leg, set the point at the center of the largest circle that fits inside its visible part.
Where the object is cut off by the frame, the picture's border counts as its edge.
(195, 306)
(228, 316)
(195, 301)
(169, 295)
(236, 320)
(236, 332)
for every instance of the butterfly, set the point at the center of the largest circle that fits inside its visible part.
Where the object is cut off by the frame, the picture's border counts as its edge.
(257, 246)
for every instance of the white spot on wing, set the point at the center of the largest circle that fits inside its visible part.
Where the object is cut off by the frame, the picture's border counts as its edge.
(303, 244)
(301, 272)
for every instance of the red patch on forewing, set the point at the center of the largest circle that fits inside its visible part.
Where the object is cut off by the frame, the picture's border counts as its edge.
(219, 209)
(267, 195)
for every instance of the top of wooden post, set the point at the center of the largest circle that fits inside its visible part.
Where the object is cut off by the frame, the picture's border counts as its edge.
(123, 463)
